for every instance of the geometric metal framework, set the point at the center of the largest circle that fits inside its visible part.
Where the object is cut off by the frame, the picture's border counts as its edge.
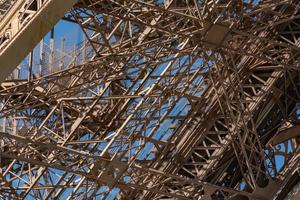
(22, 26)
(179, 99)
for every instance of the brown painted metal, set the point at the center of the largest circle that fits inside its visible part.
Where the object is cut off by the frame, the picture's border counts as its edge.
(177, 100)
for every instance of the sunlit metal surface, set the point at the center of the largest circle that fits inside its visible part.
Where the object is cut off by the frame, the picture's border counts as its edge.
(175, 99)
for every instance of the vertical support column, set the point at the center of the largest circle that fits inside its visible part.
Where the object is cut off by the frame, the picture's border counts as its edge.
(14, 123)
(51, 55)
(61, 54)
(3, 120)
(30, 66)
(42, 57)
(16, 72)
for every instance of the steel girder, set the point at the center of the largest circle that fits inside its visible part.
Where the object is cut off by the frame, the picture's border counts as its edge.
(167, 108)
(24, 24)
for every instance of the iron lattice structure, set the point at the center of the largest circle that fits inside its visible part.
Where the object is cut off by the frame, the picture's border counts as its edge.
(178, 99)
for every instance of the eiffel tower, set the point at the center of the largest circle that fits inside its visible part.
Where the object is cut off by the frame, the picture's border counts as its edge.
(163, 100)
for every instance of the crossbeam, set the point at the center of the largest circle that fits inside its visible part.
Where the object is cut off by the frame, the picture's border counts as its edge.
(18, 33)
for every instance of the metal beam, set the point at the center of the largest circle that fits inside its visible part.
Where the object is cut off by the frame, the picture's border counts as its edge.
(28, 34)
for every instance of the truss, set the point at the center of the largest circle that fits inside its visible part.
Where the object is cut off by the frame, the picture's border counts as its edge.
(179, 99)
